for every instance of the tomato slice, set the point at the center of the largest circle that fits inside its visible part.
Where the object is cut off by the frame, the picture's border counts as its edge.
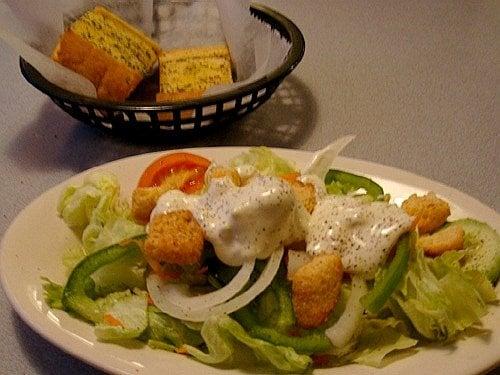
(169, 164)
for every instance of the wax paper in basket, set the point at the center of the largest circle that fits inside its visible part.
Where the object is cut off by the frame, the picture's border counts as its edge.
(32, 29)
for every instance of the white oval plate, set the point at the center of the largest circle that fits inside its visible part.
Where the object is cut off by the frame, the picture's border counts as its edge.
(33, 245)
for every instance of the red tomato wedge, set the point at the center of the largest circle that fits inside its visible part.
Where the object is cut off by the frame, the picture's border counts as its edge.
(169, 164)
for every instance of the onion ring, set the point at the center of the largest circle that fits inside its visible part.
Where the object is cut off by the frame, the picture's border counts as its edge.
(345, 328)
(203, 312)
(178, 294)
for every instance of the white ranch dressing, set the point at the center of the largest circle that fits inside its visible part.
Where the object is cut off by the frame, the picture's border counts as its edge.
(362, 233)
(243, 223)
(254, 220)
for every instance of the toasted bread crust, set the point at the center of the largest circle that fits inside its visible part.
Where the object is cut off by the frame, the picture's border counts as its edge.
(113, 80)
(178, 96)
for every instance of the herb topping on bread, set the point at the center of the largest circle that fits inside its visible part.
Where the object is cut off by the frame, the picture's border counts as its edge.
(187, 73)
(109, 52)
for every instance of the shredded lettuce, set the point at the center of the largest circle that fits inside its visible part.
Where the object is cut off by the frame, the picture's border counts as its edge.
(171, 331)
(72, 256)
(265, 161)
(439, 298)
(222, 335)
(52, 293)
(99, 235)
(155, 344)
(94, 211)
(77, 205)
(377, 339)
(124, 315)
(450, 261)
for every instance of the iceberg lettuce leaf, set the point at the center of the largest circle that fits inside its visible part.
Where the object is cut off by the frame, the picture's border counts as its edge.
(265, 161)
(98, 235)
(450, 261)
(164, 328)
(52, 294)
(72, 256)
(439, 298)
(95, 213)
(377, 339)
(224, 336)
(124, 315)
(155, 344)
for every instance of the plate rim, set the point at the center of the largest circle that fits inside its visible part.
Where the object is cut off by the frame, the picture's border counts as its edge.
(363, 166)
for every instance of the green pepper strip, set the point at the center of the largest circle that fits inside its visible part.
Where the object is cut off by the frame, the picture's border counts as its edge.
(286, 316)
(353, 182)
(314, 342)
(75, 294)
(374, 300)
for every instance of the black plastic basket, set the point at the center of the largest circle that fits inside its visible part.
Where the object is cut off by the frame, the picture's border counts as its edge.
(150, 118)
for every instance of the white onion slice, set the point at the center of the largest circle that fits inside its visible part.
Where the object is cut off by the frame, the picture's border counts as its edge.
(178, 293)
(323, 159)
(200, 314)
(344, 329)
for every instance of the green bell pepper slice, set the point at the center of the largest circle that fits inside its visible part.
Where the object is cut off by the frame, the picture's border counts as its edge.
(75, 296)
(341, 182)
(376, 298)
(286, 316)
(275, 329)
(274, 306)
(311, 342)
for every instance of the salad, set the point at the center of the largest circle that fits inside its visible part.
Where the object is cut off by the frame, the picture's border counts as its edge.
(258, 262)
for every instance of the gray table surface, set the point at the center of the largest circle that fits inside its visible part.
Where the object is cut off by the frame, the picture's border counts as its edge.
(416, 81)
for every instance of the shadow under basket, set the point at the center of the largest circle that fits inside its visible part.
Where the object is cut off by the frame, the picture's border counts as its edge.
(152, 119)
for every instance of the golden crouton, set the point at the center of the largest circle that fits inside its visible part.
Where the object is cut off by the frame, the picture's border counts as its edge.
(144, 198)
(315, 289)
(143, 201)
(429, 211)
(174, 237)
(305, 193)
(449, 238)
(219, 172)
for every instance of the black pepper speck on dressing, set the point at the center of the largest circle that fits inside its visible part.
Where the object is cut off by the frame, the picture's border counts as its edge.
(362, 233)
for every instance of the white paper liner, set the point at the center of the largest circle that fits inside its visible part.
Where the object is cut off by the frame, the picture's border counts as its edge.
(185, 24)
(33, 28)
